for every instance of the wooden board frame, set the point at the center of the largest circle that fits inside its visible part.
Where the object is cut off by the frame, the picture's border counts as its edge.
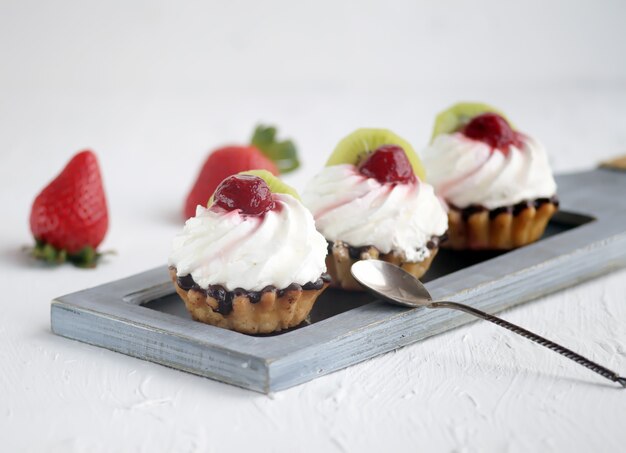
(114, 315)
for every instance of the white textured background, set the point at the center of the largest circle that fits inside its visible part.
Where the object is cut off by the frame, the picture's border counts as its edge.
(152, 86)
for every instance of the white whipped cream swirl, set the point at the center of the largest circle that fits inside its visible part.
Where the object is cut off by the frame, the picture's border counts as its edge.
(219, 247)
(468, 172)
(360, 211)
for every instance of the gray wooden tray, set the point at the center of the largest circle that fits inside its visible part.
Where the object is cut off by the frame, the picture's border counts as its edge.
(142, 316)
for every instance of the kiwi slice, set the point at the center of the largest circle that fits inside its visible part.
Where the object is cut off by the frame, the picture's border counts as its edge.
(274, 183)
(454, 118)
(353, 148)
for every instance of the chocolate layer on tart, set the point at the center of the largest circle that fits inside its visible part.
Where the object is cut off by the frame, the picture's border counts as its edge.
(225, 298)
(357, 252)
(515, 209)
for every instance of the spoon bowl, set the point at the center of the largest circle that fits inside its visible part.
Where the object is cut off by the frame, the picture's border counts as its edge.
(391, 283)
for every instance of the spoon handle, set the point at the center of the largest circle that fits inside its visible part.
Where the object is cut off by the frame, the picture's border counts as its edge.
(611, 375)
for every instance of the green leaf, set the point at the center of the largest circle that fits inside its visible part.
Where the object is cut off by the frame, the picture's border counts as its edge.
(86, 257)
(47, 253)
(283, 153)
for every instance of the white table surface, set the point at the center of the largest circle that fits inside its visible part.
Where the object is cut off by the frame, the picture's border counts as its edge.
(79, 84)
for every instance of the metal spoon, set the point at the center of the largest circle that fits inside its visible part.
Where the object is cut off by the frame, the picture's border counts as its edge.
(397, 286)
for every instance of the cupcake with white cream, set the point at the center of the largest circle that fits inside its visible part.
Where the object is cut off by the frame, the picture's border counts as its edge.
(252, 261)
(370, 203)
(497, 181)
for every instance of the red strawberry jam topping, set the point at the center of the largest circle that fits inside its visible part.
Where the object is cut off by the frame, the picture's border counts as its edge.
(388, 164)
(248, 193)
(492, 129)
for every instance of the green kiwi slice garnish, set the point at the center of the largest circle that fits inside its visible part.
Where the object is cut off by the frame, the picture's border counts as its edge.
(454, 118)
(274, 183)
(355, 147)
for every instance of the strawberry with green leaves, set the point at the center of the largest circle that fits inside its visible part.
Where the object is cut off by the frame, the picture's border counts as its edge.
(69, 218)
(264, 153)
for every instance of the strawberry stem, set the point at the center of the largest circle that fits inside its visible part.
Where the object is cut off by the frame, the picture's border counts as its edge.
(87, 257)
(283, 153)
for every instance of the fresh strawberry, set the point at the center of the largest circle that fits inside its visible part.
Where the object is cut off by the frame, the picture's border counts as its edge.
(69, 218)
(221, 164)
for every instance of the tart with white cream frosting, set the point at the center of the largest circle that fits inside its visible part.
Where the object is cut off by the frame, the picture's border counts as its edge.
(497, 181)
(252, 261)
(370, 203)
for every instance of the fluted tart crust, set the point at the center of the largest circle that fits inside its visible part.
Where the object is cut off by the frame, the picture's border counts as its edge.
(341, 256)
(250, 312)
(509, 227)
